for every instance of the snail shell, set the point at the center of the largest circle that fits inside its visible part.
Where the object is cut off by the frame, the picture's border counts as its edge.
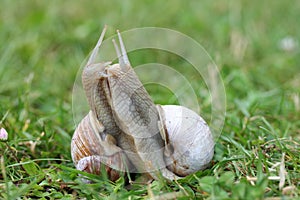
(90, 153)
(190, 145)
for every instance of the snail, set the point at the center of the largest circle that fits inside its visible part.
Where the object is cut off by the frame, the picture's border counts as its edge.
(125, 131)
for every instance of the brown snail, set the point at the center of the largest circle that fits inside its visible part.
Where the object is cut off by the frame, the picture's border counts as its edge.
(127, 132)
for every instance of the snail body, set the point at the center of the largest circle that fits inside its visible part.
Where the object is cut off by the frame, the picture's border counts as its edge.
(126, 131)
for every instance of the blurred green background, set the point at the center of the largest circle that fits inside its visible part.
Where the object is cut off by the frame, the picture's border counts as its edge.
(43, 43)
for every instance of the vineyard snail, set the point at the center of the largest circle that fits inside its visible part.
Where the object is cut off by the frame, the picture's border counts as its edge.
(126, 132)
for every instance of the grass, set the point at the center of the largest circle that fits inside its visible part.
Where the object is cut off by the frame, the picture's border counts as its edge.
(43, 44)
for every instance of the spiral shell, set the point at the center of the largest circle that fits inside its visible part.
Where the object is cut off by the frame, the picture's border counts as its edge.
(190, 143)
(90, 152)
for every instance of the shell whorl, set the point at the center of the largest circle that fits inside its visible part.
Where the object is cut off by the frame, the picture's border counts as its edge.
(190, 139)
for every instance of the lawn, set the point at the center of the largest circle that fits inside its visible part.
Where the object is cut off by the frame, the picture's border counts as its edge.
(254, 44)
